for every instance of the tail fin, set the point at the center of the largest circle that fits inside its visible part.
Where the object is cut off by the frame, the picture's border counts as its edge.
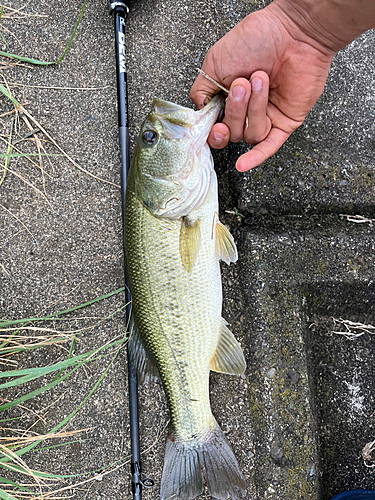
(188, 465)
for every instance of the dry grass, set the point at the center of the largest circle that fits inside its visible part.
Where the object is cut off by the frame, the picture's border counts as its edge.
(350, 329)
(366, 454)
(358, 219)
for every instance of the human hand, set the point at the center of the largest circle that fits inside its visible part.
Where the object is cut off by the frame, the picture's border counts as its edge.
(275, 72)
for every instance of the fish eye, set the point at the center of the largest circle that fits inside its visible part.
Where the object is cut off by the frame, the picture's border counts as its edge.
(149, 137)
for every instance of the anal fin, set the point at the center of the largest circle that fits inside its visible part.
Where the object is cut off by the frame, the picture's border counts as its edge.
(228, 357)
(146, 368)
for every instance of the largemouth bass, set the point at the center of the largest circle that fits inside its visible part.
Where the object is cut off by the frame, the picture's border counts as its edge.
(173, 242)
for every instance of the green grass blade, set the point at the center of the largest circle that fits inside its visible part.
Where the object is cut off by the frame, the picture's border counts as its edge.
(5, 324)
(8, 95)
(3, 39)
(46, 387)
(9, 149)
(24, 373)
(28, 374)
(69, 357)
(55, 316)
(15, 485)
(22, 470)
(9, 419)
(73, 34)
(32, 394)
(4, 496)
(45, 63)
(26, 348)
(11, 483)
(53, 446)
(26, 59)
(46, 475)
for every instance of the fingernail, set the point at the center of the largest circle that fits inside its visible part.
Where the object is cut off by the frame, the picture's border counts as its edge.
(218, 136)
(256, 84)
(238, 92)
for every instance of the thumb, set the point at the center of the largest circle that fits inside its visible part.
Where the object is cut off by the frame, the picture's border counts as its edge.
(202, 90)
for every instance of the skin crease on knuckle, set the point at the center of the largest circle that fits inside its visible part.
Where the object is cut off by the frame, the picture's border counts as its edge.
(236, 108)
(259, 123)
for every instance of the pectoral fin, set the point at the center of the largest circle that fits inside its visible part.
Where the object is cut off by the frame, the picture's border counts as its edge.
(225, 247)
(146, 368)
(228, 357)
(190, 239)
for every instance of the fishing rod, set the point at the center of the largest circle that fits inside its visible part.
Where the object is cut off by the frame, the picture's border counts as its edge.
(120, 10)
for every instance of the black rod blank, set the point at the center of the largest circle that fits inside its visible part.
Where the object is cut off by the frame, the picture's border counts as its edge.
(120, 10)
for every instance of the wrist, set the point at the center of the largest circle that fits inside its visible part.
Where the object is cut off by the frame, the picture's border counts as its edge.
(328, 24)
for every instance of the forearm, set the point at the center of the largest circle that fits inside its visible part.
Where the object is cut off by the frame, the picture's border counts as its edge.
(332, 23)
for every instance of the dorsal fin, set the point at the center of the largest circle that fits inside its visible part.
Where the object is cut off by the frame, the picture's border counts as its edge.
(228, 357)
(190, 239)
(225, 247)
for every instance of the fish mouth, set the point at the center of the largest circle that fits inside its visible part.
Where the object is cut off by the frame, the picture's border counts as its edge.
(180, 121)
(208, 115)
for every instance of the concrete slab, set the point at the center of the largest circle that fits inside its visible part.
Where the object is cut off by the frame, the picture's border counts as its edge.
(299, 274)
